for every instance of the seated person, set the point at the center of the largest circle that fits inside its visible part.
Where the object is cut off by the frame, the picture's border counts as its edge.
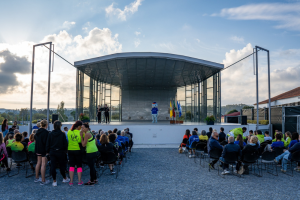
(249, 136)
(130, 140)
(126, 139)
(186, 137)
(31, 147)
(18, 145)
(294, 140)
(288, 138)
(98, 140)
(239, 141)
(10, 140)
(280, 133)
(192, 139)
(231, 147)
(203, 135)
(209, 132)
(107, 147)
(25, 137)
(214, 144)
(287, 153)
(222, 135)
(251, 148)
(120, 138)
(278, 142)
(260, 136)
(31, 139)
(267, 136)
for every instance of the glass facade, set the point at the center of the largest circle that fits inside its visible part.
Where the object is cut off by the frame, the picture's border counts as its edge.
(198, 100)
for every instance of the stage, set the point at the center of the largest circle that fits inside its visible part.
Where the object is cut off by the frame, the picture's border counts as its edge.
(158, 135)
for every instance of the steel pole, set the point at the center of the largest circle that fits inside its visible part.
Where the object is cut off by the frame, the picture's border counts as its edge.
(48, 98)
(269, 91)
(257, 113)
(31, 92)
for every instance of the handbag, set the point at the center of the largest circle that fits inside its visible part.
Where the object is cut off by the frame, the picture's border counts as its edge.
(180, 150)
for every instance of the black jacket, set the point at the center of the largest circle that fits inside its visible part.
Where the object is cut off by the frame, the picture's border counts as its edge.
(57, 141)
(222, 137)
(231, 147)
(109, 147)
(249, 149)
(41, 137)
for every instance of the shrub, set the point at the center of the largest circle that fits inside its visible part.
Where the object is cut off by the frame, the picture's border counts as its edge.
(210, 118)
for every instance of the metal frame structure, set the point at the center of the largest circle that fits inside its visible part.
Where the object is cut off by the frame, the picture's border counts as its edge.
(257, 48)
(32, 80)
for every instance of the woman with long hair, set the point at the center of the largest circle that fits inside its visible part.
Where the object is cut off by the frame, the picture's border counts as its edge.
(89, 142)
(57, 146)
(74, 152)
(105, 147)
(288, 138)
(4, 127)
(240, 141)
(5, 155)
(186, 137)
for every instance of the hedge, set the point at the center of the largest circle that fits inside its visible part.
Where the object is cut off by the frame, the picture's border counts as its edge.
(263, 122)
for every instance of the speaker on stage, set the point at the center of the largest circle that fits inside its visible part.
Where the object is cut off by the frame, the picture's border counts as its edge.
(243, 120)
(232, 119)
(54, 117)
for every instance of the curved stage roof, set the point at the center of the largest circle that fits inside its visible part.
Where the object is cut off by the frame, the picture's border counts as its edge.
(148, 69)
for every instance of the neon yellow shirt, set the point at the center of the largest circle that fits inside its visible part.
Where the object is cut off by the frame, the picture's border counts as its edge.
(74, 139)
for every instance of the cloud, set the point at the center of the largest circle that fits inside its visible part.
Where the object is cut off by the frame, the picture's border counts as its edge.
(68, 25)
(137, 42)
(137, 33)
(9, 66)
(237, 39)
(168, 46)
(287, 15)
(197, 40)
(14, 57)
(239, 81)
(112, 12)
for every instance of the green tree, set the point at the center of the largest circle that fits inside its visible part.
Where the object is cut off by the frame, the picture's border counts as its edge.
(232, 111)
(38, 116)
(248, 107)
(61, 112)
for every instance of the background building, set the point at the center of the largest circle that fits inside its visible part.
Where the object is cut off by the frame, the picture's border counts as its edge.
(129, 82)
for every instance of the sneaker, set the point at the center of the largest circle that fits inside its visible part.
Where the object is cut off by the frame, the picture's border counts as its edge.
(38, 180)
(297, 169)
(112, 172)
(284, 171)
(70, 184)
(54, 184)
(190, 156)
(67, 180)
(45, 183)
(8, 169)
(89, 183)
(211, 166)
(80, 183)
(225, 172)
(242, 170)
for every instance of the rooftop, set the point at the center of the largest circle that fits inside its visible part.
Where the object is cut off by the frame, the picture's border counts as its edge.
(150, 69)
(289, 94)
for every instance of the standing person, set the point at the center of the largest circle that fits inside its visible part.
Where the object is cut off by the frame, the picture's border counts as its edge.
(154, 111)
(57, 147)
(74, 152)
(4, 127)
(41, 137)
(89, 142)
(106, 113)
(99, 113)
(16, 124)
(3, 148)
(66, 132)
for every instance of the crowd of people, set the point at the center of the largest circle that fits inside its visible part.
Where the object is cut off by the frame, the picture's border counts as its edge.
(236, 142)
(59, 147)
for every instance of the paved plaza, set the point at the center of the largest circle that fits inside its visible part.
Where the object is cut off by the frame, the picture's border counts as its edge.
(158, 174)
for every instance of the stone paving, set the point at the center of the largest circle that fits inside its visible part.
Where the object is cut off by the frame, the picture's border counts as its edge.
(158, 174)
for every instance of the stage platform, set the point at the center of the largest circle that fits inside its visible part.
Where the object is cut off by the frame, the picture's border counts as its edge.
(158, 135)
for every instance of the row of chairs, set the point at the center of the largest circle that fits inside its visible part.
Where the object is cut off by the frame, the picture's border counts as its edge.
(257, 161)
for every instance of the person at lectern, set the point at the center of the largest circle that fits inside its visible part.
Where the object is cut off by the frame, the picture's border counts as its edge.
(154, 111)
(99, 113)
(106, 113)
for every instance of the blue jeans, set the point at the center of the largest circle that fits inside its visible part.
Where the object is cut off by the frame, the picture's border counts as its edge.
(154, 118)
(284, 157)
(224, 165)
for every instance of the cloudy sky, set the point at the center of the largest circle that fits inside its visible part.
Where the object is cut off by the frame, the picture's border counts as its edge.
(219, 31)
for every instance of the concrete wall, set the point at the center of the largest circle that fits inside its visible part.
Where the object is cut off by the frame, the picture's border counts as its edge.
(137, 103)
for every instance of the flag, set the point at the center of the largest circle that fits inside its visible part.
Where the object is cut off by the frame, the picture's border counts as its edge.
(179, 108)
(171, 110)
(174, 108)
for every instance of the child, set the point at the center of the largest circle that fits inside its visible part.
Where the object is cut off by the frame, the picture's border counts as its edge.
(10, 140)
(31, 139)
(267, 136)
(278, 142)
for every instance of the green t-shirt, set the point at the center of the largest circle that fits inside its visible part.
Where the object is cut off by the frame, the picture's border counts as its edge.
(73, 139)
(17, 146)
(91, 146)
(31, 147)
